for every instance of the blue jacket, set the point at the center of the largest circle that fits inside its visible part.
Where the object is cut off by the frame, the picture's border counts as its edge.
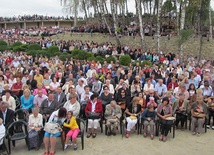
(147, 114)
(27, 104)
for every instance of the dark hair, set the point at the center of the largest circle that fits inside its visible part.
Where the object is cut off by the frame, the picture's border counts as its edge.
(165, 99)
(62, 112)
(70, 112)
(2, 77)
(190, 86)
(86, 87)
(50, 92)
(93, 96)
(104, 87)
(7, 91)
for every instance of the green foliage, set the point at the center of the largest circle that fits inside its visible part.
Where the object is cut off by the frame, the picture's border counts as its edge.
(125, 60)
(110, 58)
(63, 56)
(75, 52)
(2, 42)
(16, 44)
(35, 52)
(53, 49)
(100, 59)
(146, 63)
(91, 58)
(34, 47)
(184, 36)
(3, 48)
(23, 47)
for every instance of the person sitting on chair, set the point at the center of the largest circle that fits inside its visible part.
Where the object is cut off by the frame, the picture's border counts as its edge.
(112, 114)
(132, 112)
(2, 133)
(93, 112)
(148, 117)
(73, 130)
(6, 114)
(199, 112)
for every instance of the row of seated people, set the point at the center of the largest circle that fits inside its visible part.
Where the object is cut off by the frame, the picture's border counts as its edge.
(113, 113)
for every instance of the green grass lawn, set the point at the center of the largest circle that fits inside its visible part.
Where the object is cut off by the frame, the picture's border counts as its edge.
(192, 46)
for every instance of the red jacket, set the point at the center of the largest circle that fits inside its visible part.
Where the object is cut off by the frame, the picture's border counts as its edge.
(98, 107)
(170, 85)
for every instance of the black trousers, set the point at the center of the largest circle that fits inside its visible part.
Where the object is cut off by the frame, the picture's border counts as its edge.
(165, 127)
(180, 118)
(211, 114)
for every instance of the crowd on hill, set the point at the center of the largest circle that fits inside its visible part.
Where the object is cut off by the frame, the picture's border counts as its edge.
(168, 92)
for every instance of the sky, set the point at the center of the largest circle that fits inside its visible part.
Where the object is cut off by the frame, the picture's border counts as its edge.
(10, 8)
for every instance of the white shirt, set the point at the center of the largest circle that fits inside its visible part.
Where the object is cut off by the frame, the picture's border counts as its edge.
(2, 133)
(80, 90)
(93, 106)
(83, 95)
(54, 85)
(36, 121)
(11, 101)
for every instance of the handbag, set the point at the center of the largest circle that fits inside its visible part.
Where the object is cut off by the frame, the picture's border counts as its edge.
(93, 115)
(51, 128)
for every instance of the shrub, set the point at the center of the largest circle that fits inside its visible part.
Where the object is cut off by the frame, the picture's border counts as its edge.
(82, 55)
(53, 49)
(75, 52)
(100, 59)
(91, 58)
(64, 56)
(35, 52)
(110, 58)
(34, 47)
(22, 47)
(2, 42)
(3, 48)
(146, 63)
(125, 60)
(16, 44)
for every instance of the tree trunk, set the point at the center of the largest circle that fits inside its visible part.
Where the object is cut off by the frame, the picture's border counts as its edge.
(76, 3)
(158, 24)
(112, 3)
(84, 8)
(102, 10)
(183, 14)
(139, 7)
(127, 11)
(210, 20)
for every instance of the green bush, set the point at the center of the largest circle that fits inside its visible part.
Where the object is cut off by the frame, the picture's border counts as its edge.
(34, 47)
(82, 55)
(3, 48)
(75, 52)
(125, 60)
(2, 42)
(16, 44)
(100, 59)
(91, 58)
(146, 63)
(23, 47)
(53, 49)
(110, 58)
(64, 56)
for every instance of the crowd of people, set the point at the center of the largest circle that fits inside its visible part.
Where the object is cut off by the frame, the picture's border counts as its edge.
(169, 92)
(32, 18)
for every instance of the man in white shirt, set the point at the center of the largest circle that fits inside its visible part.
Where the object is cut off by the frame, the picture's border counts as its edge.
(80, 87)
(86, 95)
(91, 71)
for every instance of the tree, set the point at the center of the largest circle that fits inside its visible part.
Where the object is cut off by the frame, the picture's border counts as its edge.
(139, 7)
(158, 24)
(71, 7)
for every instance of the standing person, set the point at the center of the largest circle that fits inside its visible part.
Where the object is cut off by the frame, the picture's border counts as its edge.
(74, 130)
(164, 110)
(93, 112)
(199, 112)
(112, 114)
(148, 117)
(132, 113)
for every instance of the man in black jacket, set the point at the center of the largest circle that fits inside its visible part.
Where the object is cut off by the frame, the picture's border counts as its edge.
(6, 114)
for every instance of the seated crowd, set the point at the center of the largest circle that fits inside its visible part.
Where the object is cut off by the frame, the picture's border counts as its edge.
(60, 92)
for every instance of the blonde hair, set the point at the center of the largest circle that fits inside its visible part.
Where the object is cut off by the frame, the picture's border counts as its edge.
(135, 99)
(26, 91)
(25, 85)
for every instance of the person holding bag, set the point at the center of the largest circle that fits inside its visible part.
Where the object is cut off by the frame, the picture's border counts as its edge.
(53, 130)
(74, 130)
(93, 113)
(132, 113)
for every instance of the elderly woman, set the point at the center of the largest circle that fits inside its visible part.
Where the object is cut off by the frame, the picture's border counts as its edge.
(35, 125)
(199, 112)
(93, 112)
(164, 110)
(112, 114)
(27, 100)
(10, 100)
(39, 87)
(73, 105)
(58, 117)
(132, 113)
(54, 84)
(148, 86)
